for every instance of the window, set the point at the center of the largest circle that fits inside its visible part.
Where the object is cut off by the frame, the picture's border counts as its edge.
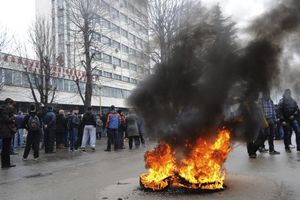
(139, 42)
(8, 76)
(107, 74)
(131, 51)
(105, 23)
(114, 13)
(25, 82)
(17, 78)
(115, 28)
(97, 72)
(60, 84)
(133, 67)
(123, 3)
(116, 44)
(105, 40)
(97, 36)
(125, 64)
(126, 79)
(123, 17)
(139, 54)
(117, 77)
(125, 48)
(67, 84)
(106, 58)
(131, 22)
(105, 6)
(131, 37)
(140, 69)
(98, 55)
(124, 33)
(73, 87)
(131, 8)
(134, 81)
(116, 61)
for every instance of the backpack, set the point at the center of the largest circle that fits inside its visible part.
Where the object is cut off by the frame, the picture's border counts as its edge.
(34, 123)
(75, 121)
(114, 120)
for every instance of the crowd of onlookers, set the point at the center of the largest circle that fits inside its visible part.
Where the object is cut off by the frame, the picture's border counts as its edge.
(45, 128)
(273, 122)
(50, 130)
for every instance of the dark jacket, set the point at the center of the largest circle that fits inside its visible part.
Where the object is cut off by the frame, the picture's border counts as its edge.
(50, 120)
(26, 119)
(132, 127)
(6, 120)
(286, 108)
(61, 123)
(89, 119)
(19, 121)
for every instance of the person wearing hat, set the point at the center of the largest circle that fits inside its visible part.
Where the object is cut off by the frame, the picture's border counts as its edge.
(49, 130)
(32, 124)
(7, 131)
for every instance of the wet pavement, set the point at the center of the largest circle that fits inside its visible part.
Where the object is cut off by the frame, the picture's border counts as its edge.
(100, 175)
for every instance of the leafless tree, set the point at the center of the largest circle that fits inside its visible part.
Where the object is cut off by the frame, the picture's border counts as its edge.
(85, 16)
(4, 39)
(166, 19)
(42, 90)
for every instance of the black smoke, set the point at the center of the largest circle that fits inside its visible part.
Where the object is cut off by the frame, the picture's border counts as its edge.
(186, 96)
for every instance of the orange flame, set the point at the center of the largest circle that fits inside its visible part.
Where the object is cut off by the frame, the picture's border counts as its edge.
(201, 169)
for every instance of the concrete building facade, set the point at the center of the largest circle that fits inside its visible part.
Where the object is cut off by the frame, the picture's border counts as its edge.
(120, 48)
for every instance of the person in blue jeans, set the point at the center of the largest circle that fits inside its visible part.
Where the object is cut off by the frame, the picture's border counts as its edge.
(112, 124)
(288, 110)
(75, 123)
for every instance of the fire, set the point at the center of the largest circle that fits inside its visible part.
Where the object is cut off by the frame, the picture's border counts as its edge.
(201, 169)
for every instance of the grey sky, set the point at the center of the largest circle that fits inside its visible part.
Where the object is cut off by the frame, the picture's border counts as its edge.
(17, 15)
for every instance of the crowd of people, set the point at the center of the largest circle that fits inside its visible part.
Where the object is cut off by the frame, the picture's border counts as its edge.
(273, 122)
(49, 130)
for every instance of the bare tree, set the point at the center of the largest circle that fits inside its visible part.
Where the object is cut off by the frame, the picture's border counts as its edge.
(42, 90)
(85, 16)
(4, 39)
(166, 19)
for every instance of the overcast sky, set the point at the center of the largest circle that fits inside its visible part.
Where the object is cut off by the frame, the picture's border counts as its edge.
(17, 15)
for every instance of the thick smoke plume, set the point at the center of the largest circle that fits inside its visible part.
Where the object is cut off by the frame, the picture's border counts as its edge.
(186, 96)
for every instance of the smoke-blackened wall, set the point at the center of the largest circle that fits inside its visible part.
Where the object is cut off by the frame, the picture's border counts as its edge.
(185, 97)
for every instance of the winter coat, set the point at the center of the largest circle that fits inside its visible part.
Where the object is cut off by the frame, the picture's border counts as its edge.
(6, 121)
(132, 127)
(286, 108)
(50, 120)
(89, 119)
(141, 125)
(61, 123)
(19, 121)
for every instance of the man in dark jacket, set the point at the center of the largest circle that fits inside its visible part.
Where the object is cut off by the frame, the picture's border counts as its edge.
(7, 131)
(74, 126)
(49, 130)
(32, 124)
(112, 124)
(288, 110)
(61, 127)
(89, 131)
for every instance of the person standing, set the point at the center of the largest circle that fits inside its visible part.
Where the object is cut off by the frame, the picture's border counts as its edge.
(61, 127)
(32, 124)
(89, 130)
(268, 108)
(122, 130)
(7, 131)
(132, 129)
(141, 128)
(49, 130)
(99, 127)
(75, 123)
(19, 136)
(288, 110)
(112, 124)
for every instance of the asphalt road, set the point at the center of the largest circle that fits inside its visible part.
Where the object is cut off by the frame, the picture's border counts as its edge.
(81, 176)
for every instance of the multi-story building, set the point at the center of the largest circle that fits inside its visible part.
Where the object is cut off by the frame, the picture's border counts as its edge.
(120, 48)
